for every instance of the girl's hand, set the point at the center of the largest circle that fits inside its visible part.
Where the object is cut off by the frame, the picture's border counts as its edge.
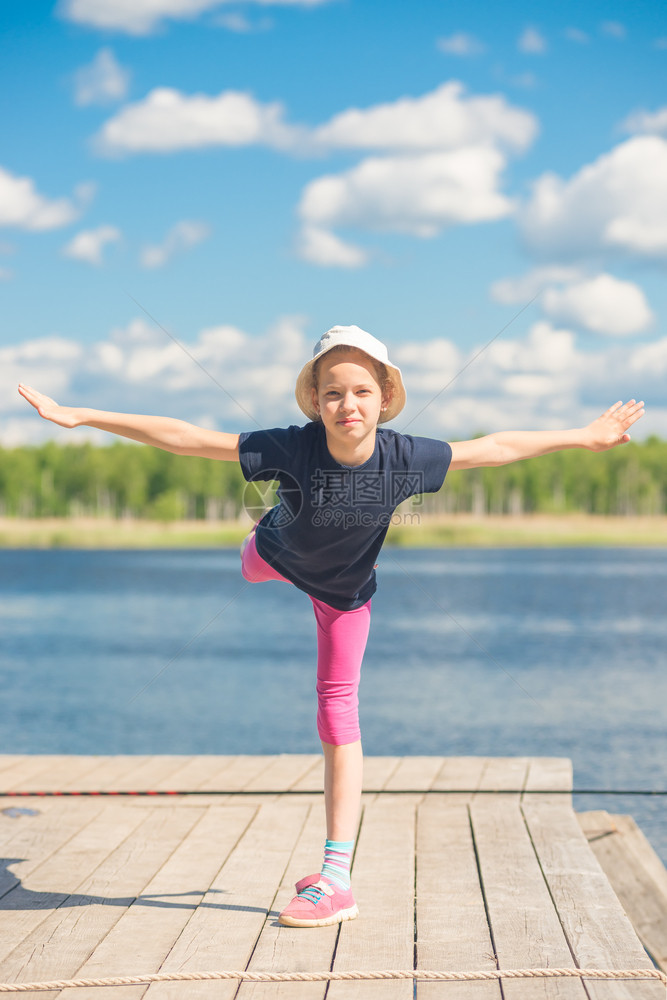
(610, 429)
(65, 416)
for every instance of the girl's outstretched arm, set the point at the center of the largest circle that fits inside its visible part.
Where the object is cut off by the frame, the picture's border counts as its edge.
(176, 436)
(606, 432)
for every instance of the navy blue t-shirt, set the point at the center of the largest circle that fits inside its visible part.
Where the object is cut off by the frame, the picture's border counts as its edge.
(327, 530)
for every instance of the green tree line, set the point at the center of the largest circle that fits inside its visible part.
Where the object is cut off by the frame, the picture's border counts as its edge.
(125, 480)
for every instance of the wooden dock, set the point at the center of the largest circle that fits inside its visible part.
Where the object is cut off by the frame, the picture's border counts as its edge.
(461, 864)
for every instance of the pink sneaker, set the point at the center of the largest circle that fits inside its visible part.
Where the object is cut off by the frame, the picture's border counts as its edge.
(303, 883)
(318, 905)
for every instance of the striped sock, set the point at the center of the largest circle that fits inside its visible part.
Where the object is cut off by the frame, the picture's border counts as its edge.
(337, 861)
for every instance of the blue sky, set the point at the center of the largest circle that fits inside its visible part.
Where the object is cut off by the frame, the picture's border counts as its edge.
(252, 173)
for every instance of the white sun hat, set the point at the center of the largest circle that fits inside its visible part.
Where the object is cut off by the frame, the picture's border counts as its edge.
(350, 336)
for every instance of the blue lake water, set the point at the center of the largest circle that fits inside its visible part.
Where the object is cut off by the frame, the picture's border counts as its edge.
(480, 652)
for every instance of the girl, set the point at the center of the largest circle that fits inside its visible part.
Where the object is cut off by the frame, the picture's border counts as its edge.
(341, 477)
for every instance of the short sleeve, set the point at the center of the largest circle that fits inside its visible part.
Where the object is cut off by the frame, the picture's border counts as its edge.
(263, 453)
(431, 458)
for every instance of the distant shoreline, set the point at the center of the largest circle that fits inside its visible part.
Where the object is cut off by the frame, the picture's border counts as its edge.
(456, 530)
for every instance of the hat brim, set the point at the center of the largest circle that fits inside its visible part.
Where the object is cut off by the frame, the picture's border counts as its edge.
(304, 385)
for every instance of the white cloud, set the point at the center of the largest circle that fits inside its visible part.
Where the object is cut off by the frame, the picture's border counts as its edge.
(102, 82)
(511, 291)
(618, 203)
(142, 17)
(537, 379)
(660, 43)
(85, 192)
(21, 205)
(241, 25)
(89, 244)
(461, 44)
(649, 360)
(182, 236)
(445, 118)
(576, 35)
(532, 42)
(6, 274)
(234, 21)
(319, 246)
(448, 171)
(646, 122)
(545, 351)
(461, 142)
(47, 363)
(166, 121)
(526, 80)
(614, 29)
(229, 357)
(50, 350)
(602, 304)
(419, 195)
(454, 180)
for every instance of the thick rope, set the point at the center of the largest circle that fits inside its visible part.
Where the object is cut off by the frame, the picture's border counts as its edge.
(287, 792)
(315, 977)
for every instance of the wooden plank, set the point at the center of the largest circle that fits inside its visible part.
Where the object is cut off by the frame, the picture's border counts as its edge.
(223, 931)
(382, 937)
(313, 779)
(27, 768)
(636, 842)
(195, 771)
(504, 774)
(58, 771)
(549, 773)
(452, 929)
(378, 771)
(525, 927)
(203, 772)
(457, 776)
(284, 771)
(596, 823)
(62, 943)
(242, 769)
(293, 949)
(637, 876)
(414, 774)
(599, 932)
(29, 842)
(52, 881)
(146, 932)
(38, 804)
(148, 773)
(105, 775)
(8, 760)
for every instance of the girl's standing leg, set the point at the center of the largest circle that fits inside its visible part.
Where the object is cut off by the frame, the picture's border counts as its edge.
(343, 772)
(341, 640)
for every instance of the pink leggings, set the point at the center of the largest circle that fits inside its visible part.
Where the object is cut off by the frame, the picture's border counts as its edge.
(341, 641)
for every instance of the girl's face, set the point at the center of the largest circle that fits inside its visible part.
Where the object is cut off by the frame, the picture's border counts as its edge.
(348, 397)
